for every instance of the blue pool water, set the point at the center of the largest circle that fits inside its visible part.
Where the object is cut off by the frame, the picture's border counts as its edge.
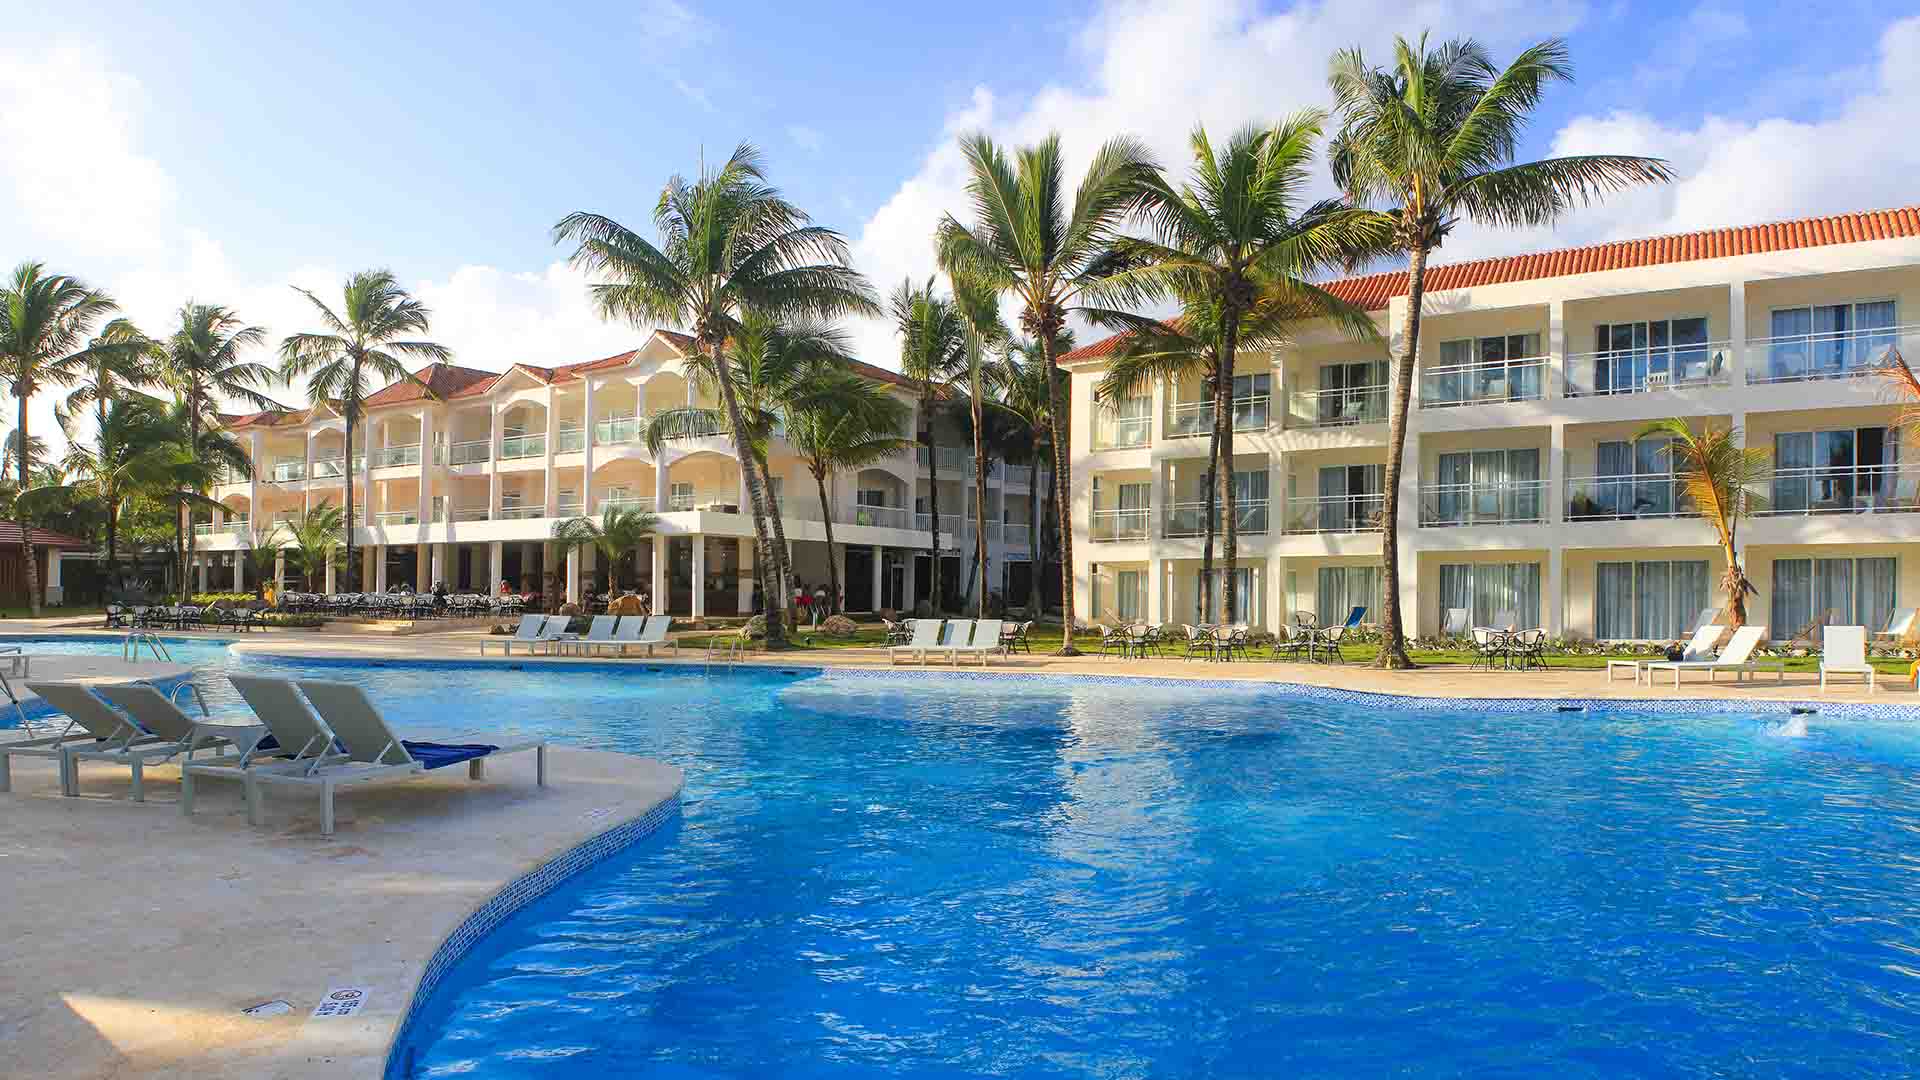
(879, 876)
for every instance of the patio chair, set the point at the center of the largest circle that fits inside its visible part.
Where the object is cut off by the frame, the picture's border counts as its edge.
(1489, 644)
(898, 633)
(1506, 621)
(652, 635)
(599, 632)
(373, 752)
(1809, 636)
(531, 633)
(1200, 641)
(926, 635)
(1019, 640)
(1327, 642)
(1737, 658)
(1899, 625)
(1530, 646)
(1846, 654)
(986, 642)
(52, 747)
(1291, 641)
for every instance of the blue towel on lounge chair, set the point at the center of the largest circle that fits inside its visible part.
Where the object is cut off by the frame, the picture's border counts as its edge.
(440, 755)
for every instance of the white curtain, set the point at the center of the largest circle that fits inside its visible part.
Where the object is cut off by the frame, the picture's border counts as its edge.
(1613, 601)
(1792, 596)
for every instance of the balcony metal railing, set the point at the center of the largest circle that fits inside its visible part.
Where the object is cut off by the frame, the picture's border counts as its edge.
(1016, 534)
(952, 458)
(619, 432)
(1841, 355)
(1310, 515)
(1639, 371)
(1190, 518)
(1337, 408)
(1514, 502)
(208, 528)
(1019, 474)
(1625, 497)
(886, 517)
(1866, 489)
(514, 447)
(397, 517)
(1128, 524)
(568, 440)
(1186, 419)
(389, 457)
(1483, 384)
(949, 523)
(471, 452)
(719, 502)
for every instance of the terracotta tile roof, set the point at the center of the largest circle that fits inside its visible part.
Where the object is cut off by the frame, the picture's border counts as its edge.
(446, 381)
(880, 374)
(10, 538)
(676, 338)
(571, 372)
(1375, 291)
(275, 417)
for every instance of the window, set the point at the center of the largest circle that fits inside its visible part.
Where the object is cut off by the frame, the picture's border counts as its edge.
(1626, 353)
(1631, 479)
(1829, 339)
(1494, 594)
(1350, 497)
(1130, 593)
(1352, 393)
(1849, 591)
(1841, 470)
(1213, 603)
(1649, 601)
(1340, 589)
(680, 497)
(1251, 396)
(1486, 485)
(870, 497)
(1502, 368)
(1123, 423)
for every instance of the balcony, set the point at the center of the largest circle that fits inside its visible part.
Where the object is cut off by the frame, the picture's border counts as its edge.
(1866, 489)
(1112, 431)
(1332, 514)
(1338, 408)
(1842, 355)
(334, 468)
(1626, 497)
(1119, 524)
(394, 456)
(569, 509)
(569, 440)
(520, 513)
(713, 502)
(287, 472)
(1515, 502)
(515, 447)
(471, 452)
(1186, 419)
(208, 528)
(619, 432)
(471, 513)
(949, 523)
(397, 517)
(1640, 371)
(1483, 384)
(1016, 534)
(1190, 518)
(951, 458)
(887, 517)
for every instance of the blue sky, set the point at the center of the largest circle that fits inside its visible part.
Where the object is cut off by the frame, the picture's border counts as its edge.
(164, 151)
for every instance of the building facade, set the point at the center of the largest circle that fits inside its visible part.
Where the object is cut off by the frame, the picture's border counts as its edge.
(464, 486)
(1526, 487)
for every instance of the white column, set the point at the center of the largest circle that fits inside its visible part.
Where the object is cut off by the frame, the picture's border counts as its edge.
(1557, 374)
(426, 465)
(1156, 607)
(496, 565)
(660, 466)
(53, 569)
(551, 499)
(423, 560)
(586, 471)
(279, 570)
(657, 593)
(366, 470)
(1554, 596)
(331, 582)
(1410, 612)
(879, 580)
(1276, 598)
(699, 576)
(256, 446)
(306, 474)
(573, 575)
(437, 571)
(1255, 615)
(746, 577)
(200, 570)
(908, 586)
(1166, 581)
(379, 567)
(494, 415)
(239, 571)
(589, 568)
(1737, 336)
(1556, 474)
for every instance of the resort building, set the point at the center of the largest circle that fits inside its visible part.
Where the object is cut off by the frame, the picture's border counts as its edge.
(465, 485)
(1527, 489)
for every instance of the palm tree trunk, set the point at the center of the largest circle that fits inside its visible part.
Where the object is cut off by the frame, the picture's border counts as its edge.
(1035, 597)
(833, 557)
(1223, 432)
(756, 494)
(31, 570)
(113, 543)
(353, 568)
(783, 563)
(1210, 510)
(1736, 585)
(933, 498)
(1393, 641)
(979, 503)
(1062, 489)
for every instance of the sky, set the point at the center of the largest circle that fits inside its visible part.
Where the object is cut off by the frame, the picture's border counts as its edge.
(167, 152)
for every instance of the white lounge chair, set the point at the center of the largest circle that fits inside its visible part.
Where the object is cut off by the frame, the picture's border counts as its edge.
(1455, 623)
(1845, 653)
(599, 632)
(120, 739)
(300, 741)
(52, 747)
(926, 637)
(1699, 648)
(374, 752)
(1899, 625)
(654, 634)
(531, 632)
(956, 635)
(986, 642)
(1737, 658)
(1707, 617)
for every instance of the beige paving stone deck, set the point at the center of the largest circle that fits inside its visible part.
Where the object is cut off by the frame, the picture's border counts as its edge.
(131, 937)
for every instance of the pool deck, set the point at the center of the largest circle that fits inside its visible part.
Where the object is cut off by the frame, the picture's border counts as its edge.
(134, 936)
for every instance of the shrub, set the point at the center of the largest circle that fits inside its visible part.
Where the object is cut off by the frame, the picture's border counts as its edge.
(839, 626)
(757, 626)
(227, 599)
(292, 622)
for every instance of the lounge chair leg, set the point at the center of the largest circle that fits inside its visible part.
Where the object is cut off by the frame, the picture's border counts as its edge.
(540, 765)
(256, 812)
(139, 791)
(477, 769)
(186, 793)
(6, 772)
(326, 808)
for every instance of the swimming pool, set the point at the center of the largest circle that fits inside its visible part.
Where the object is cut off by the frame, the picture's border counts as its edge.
(881, 875)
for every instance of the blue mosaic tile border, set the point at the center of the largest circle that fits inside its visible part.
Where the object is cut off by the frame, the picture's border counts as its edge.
(501, 906)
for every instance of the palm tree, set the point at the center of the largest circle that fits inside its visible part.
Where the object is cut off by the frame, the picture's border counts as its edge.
(365, 338)
(1028, 239)
(203, 366)
(1025, 380)
(316, 540)
(262, 554)
(730, 244)
(37, 450)
(1720, 476)
(122, 358)
(1235, 243)
(130, 453)
(983, 331)
(44, 322)
(194, 462)
(1433, 139)
(933, 353)
(843, 424)
(618, 532)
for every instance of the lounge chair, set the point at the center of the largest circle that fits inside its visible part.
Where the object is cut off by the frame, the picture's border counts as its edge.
(654, 633)
(1456, 622)
(926, 636)
(1809, 636)
(1697, 649)
(1707, 617)
(1845, 654)
(986, 642)
(51, 747)
(958, 634)
(531, 633)
(120, 739)
(298, 741)
(1899, 625)
(1737, 658)
(599, 632)
(373, 752)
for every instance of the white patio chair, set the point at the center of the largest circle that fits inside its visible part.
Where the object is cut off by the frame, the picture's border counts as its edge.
(1737, 658)
(926, 636)
(1845, 653)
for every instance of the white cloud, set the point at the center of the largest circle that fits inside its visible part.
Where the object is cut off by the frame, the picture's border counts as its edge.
(671, 29)
(806, 138)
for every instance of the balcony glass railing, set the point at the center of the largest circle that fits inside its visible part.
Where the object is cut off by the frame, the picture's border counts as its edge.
(624, 502)
(514, 447)
(1626, 496)
(1190, 518)
(1483, 384)
(471, 452)
(1337, 408)
(470, 513)
(1016, 534)
(1865, 489)
(568, 509)
(334, 468)
(208, 528)
(520, 513)
(1638, 371)
(1335, 514)
(388, 457)
(397, 517)
(1514, 502)
(566, 441)
(619, 432)
(1130, 524)
(1805, 357)
(1190, 418)
(287, 472)
(1112, 431)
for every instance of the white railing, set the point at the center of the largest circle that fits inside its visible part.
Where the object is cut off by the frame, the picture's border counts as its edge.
(1481, 384)
(718, 502)
(949, 523)
(888, 517)
(568, 509)
(1190, 518)
(287, 472)
(521, 513)
(1625, 496)
(1112, 431)
(1128, 524)
(1866, 489)
(333, 468)
(513, 447)
(471, 513)
(624, 502)
(1514, 502)
(1337, 408)
(1016, 534)
(388, 457)
(1639, 371)
(1018, 474)
(470, 452)
(619, 432)
(568, 440)
(1186, 419)
(208, 528)
(1310, 515)
(1840, 355)
(953, 459)
(397, 517)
